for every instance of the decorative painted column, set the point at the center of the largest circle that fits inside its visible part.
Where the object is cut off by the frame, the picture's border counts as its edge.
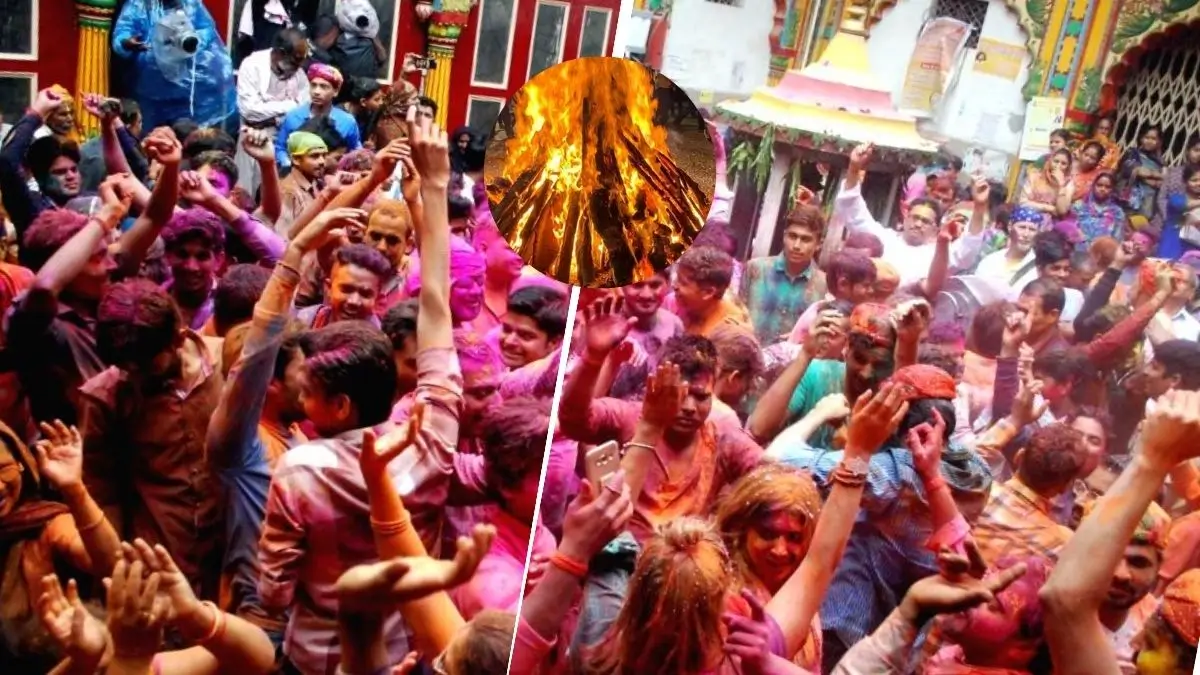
(783, 39)
(91, 74)
(446, 20)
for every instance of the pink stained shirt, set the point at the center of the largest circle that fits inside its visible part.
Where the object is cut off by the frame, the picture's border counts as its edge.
(722, 453)
(317, 523)
(499, 581)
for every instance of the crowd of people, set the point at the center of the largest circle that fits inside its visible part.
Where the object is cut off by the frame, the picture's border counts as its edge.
(828, 467)
(289, 425)
(277, 400)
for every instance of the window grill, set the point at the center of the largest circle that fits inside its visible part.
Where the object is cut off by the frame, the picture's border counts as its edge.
(1163, 90)
(970, 12)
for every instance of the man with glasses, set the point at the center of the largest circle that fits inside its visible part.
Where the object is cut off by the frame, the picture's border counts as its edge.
(911, 249)
(269, 85)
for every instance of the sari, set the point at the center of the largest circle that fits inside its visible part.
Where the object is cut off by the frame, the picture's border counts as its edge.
(1135, 194)
(1039, 189)
(1097, 219)
(1112, 153)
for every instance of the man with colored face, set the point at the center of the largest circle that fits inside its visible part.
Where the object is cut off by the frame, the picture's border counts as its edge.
(869, 360)
(195, 250)
(54, 165)
(777, 290)
(702, 275)
(389, 231)
(352, 288)
(651, 329)
(911, 249)
(324, 83)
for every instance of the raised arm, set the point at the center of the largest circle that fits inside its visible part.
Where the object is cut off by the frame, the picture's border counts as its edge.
(18, 202)
(258, 145)
(849, 206)
(769, 415)
(1072, 597)
(431, 156)
(606, 327)
(793, 607)
(60, 459)
(133, 244)
(260, 239)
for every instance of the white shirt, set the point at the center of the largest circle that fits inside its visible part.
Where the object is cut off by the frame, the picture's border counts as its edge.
(262, 96)
(1182, 325)
(996, 269)
(911, 262)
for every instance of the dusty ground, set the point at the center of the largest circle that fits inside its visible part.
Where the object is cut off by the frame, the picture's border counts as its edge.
(690, 149)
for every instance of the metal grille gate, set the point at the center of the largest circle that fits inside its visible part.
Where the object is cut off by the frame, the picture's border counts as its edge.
(1164, 90)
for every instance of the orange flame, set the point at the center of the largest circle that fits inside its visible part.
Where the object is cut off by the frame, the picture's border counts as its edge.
(582, 128)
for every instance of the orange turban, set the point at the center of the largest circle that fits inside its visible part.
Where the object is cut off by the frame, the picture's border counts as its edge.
(1181, 606)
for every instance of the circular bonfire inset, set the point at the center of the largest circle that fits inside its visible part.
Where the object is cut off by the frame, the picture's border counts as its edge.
(584, 175)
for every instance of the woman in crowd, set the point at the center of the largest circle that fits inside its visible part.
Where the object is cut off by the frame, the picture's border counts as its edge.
(1140, 173)
(1098, 214)
(1048, 191)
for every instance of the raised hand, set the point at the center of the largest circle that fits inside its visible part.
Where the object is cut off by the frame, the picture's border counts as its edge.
(326, 226)
(80, 635)
(408, 665)
(875, 418)
(749, 639)
(410, 184)
(94, 104)
(912, 320)
(605, 325)
(595, 517)
(60, 455)
(162, 146)
(981, 192)
(1171, 433)
(387, 159)
(258, 145)
(173, 587)
(824, 331)
(377, 453)
(1016, 330)
(1023, 411)
(47, 101)
(196, 189)
(665, 390)
(137, 614)
(937, 594)
(861, 156)
(114, 203)
(832, 408)
(430, 149)
(927, 443)
(381, 586)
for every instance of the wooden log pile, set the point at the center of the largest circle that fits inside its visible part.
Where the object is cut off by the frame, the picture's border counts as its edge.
(608, 239)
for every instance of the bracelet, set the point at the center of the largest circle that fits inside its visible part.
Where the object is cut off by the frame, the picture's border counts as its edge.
(569, 565)
(390, 527)
(934, 483)
(632, 444)
(284, 266)
(90, 526)
(848, 475)
(218, 628)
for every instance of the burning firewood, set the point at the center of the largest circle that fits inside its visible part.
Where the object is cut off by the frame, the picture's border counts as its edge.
(589, 193)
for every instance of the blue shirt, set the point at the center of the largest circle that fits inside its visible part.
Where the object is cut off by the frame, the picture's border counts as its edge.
(343, 122)
(886, 552)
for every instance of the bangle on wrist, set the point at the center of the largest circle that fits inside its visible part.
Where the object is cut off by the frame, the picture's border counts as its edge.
(572, 566)
(851, 473)
(391, 527)
(632, 444)
(218, 626)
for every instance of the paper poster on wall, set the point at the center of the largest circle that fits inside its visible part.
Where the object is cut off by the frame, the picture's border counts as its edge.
(932, 66)
(999, 59)
(1043, 114)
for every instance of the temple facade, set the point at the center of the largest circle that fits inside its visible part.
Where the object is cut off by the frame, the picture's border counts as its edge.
(484, 49)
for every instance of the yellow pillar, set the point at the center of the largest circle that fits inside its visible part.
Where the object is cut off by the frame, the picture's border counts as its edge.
(437, 83)
(91, 74)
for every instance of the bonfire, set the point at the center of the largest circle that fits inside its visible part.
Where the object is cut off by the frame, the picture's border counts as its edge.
(588, 193)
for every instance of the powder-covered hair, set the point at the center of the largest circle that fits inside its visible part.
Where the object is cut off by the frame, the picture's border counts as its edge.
(671, 621)
(357, 160)
(362, 255)
(707, 266)
(49, 232)
(513, 435)
(136, 321)
(695, 356)
(769, 489)
(1052, 458)
(353, 358)
(237, 293)
(195, 223)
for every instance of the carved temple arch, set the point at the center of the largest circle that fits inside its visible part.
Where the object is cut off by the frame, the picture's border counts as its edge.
(1128, 49)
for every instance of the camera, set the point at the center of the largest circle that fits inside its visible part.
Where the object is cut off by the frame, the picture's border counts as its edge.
(424, 63)
(111, 107)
